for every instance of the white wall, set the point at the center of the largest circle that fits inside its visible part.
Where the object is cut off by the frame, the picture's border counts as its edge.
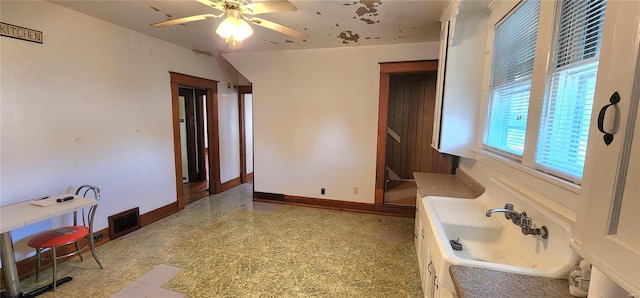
(248, 131)
(316, 117)
(229, 122)
(552, 193)
(90, 105)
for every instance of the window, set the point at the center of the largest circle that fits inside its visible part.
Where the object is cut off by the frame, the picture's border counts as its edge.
(512, 66)
(566, 113)
(562, 127)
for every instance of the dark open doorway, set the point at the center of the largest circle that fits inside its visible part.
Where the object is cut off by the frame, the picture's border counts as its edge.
(405, 127)
(201, 142)
(193, 137)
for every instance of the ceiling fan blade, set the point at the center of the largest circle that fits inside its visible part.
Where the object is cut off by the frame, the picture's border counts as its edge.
(212, 4)
(183, 20)
(279, 28)
(266, 7)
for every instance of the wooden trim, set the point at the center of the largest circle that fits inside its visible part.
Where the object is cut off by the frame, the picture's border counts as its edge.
(383, 108)
(230, 184)
(392, 210)
(177, 149)
(211, 86)
(158, 214)
(408, 67)
(386, 70)
(250, 177)
(268, 196)
(404, 211)
(213, 132)
(27, 267)
(245, 89)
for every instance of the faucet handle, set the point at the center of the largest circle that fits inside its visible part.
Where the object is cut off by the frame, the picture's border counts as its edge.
(526, 221)
(508, 206)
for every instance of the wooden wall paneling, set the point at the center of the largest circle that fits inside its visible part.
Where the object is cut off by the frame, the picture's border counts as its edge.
(421, 130)
(412, 132)
(429, 111)
(411, 112)
(403, 100)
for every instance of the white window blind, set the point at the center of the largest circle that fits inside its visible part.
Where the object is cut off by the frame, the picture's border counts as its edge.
(512, 65)
(566, 113)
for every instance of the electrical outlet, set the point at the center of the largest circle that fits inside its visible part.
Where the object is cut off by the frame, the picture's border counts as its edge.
(355, 190)
(322, 191)
(97, 237)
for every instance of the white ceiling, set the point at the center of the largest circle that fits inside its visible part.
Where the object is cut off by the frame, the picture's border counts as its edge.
(329, 23)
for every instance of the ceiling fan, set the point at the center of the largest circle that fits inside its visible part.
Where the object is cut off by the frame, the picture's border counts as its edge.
(234, 28)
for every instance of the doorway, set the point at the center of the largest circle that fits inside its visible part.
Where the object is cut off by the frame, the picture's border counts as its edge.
(405, 128)
(194, 104)
(245, 104)
(193, 137)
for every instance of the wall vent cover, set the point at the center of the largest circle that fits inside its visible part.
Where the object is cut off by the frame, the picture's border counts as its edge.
(124, 223)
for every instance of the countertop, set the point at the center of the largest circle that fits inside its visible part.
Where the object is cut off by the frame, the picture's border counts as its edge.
(476, 282)
(446, 185)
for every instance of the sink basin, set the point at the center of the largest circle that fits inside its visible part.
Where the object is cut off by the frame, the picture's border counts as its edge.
(495, 242)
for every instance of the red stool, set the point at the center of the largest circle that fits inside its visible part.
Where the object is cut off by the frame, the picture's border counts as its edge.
(70, 234)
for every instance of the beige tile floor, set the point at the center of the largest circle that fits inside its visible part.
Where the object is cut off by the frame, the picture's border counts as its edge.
(225, 245)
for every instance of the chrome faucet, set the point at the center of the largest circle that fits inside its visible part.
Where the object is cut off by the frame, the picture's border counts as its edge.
(520, 219)
(515, 217)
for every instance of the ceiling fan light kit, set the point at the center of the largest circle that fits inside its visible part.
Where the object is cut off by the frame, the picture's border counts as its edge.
(234, 29)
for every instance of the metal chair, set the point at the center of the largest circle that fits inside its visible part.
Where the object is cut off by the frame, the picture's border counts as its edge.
(63, 236)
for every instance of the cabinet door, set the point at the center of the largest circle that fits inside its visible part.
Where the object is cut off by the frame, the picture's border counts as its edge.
(442, 65)
(610, 220)
(427, 280)
(460, 68)
(418, 219)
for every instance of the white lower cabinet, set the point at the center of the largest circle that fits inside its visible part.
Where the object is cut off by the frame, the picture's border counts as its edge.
(429, 274)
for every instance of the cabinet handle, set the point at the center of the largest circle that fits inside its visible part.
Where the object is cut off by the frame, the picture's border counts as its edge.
(422, 233)
(435, 281)
(613, 100)
(429, 267)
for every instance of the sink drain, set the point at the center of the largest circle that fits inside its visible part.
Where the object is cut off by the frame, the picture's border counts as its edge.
(455, 244)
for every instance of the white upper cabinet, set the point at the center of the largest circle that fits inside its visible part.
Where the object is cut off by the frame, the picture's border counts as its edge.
(607, 231)
(463, 40)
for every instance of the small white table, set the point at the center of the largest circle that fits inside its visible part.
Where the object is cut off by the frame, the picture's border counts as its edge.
(22, 214)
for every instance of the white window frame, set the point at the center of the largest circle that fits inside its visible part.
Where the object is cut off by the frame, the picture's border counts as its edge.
(548, 18)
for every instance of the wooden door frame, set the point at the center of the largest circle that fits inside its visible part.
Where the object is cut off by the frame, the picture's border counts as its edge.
(242, 90)
(386, 70)
(213, 133)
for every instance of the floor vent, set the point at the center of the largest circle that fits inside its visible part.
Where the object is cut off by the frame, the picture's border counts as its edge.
(124, 223)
